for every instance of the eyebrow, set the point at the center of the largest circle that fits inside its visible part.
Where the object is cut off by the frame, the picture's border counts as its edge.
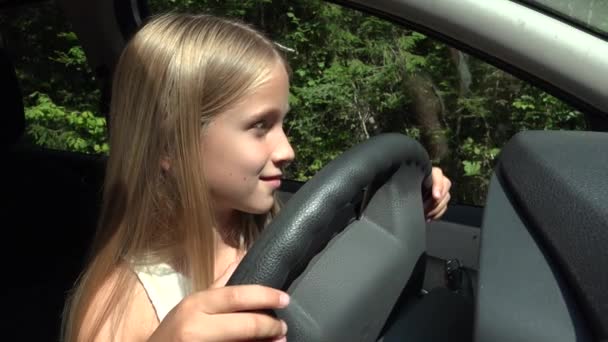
(268, 111)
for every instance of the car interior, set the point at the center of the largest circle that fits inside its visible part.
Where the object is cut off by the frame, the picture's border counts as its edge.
(526, 267)
(49, 208)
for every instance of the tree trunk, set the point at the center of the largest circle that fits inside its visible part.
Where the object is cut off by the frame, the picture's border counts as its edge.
(464, 73)
(428, 107)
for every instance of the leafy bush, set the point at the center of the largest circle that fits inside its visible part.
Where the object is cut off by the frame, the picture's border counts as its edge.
(56, 127)
(354, 76)
(61, 96)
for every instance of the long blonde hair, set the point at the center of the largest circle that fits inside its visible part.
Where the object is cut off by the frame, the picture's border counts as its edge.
(175, 74)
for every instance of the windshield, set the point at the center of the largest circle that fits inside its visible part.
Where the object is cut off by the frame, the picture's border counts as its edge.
(592, 14)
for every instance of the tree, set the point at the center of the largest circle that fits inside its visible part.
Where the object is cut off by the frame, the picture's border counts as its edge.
(354, 75)
(61, 96)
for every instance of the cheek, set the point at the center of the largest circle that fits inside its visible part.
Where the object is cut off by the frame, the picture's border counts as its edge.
(248, 157)
(234, 164)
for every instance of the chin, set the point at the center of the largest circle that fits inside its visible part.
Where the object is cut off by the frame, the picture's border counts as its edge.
(262, 206)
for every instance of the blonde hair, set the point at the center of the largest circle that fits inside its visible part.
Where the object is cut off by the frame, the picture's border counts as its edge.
(175, 74)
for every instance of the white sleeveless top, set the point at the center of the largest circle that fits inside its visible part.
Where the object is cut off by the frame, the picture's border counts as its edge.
(164, 286)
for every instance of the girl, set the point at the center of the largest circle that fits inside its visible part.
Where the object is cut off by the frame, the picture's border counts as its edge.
(197, 149)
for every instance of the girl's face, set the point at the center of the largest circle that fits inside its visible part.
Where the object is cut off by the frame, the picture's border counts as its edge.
(245, 148)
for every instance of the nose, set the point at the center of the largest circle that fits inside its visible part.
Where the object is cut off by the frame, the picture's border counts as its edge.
(283, 153)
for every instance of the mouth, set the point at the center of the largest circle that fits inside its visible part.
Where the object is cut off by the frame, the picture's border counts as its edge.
(269, 178)
(273, 181)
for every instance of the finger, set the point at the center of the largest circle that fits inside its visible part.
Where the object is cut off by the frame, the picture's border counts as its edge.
(281, 339)
(278, 339)
(440, 214)
(240, 298)
(246, 327)
(438, 183)
(447, 185)
(440, 208)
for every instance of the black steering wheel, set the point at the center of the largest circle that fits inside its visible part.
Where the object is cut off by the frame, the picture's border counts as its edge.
(347, 243)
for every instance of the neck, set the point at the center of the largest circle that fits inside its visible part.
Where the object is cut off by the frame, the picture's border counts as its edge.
(226, 224)
(226, 251)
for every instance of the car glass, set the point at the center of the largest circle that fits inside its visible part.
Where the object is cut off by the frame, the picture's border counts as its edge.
(354, 76)
(591, 14)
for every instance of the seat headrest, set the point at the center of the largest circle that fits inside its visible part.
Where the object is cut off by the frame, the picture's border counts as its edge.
(12, 116)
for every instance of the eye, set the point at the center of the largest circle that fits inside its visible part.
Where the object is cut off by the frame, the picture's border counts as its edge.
(262, 124)
(261, 127)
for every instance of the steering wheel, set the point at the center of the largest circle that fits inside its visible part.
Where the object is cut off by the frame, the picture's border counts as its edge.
(347, 243)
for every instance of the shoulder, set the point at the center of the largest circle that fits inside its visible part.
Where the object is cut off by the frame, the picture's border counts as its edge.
(120, 309)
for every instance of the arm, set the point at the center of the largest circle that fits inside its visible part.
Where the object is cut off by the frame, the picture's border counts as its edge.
(134, 308)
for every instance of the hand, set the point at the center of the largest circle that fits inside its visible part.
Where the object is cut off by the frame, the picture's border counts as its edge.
(225, 314)
(436, 205)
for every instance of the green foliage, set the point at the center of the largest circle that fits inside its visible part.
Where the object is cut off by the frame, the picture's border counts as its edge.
(55, 127)
(477, 167)
(354, 76)
(51, 64)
